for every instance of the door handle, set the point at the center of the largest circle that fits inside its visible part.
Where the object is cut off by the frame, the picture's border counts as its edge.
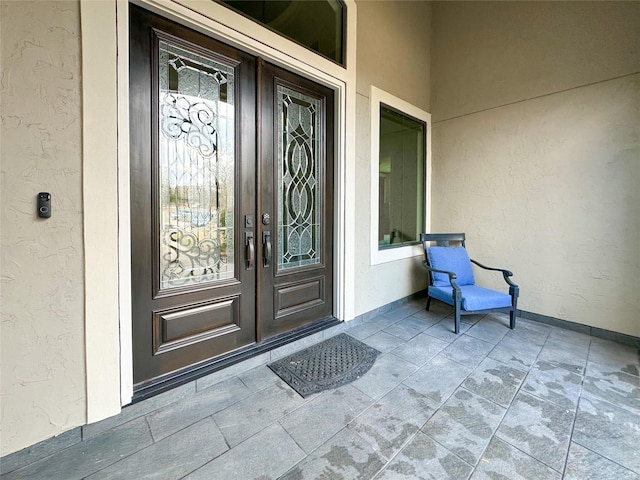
(266, 244)
(250, 250)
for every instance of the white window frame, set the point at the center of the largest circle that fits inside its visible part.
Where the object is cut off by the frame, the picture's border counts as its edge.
(377, 98)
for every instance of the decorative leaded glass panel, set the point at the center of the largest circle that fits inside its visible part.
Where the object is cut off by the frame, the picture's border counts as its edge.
(299, 179)
(196, 168)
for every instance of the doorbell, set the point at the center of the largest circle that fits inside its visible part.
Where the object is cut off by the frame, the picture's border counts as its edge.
(44, 205)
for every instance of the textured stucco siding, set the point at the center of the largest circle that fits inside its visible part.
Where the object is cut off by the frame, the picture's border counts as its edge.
(43, 369)
(393, 54)
(488, 54)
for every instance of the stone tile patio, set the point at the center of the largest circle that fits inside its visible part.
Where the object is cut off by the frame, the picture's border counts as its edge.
(537, 402)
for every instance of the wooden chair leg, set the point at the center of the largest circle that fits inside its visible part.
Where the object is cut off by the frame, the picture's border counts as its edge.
(428, 303)
(456, 328)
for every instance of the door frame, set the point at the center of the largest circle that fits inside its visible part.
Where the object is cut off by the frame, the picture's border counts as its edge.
(106, 200)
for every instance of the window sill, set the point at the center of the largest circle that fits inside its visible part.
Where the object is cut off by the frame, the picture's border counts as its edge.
(392, 254)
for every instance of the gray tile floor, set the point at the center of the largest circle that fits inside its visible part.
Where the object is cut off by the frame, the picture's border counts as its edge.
(537, 402)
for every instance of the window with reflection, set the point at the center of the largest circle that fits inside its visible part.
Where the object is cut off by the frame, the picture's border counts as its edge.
(316, 24)
(401, 199)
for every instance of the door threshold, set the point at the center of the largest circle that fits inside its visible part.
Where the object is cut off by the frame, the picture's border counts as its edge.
(172, 380)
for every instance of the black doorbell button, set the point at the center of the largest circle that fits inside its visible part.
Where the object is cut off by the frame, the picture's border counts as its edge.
(44, 205)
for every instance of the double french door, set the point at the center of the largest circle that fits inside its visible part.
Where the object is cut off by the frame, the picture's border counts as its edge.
(231, 199)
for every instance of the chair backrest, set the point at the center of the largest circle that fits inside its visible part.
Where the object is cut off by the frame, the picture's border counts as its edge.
(447, 257)
(441, 239)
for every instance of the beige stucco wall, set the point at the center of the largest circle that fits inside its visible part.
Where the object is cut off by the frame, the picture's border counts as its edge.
(43, 370)
(393, 49)
(536, 136)
(393, 54)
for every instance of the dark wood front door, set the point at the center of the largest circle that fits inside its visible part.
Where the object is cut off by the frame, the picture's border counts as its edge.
(296, 201)
(231, 200)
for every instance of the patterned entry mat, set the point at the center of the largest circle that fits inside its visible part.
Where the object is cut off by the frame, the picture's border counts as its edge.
(329, 364)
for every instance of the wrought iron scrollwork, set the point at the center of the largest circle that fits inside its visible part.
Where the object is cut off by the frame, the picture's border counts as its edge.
(194, 121)
(195, 168)
(187, 257)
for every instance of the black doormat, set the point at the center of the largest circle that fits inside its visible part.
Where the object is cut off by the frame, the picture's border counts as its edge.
(329, 364)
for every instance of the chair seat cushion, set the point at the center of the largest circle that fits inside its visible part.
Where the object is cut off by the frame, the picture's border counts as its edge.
(451, 259)
(473, 297)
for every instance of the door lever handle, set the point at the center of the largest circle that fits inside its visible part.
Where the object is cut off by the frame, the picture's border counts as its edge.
(266, 244)
(250, 250)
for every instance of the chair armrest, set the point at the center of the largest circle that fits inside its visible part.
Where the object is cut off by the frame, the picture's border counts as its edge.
(452, 275)
(505, 273)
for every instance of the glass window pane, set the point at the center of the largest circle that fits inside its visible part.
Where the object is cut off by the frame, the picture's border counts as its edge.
(401, 179)
(315, 24)
(299, 179)
(195, 167)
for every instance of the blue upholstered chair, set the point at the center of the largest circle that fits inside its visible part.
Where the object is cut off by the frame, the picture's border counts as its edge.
(451, 279)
